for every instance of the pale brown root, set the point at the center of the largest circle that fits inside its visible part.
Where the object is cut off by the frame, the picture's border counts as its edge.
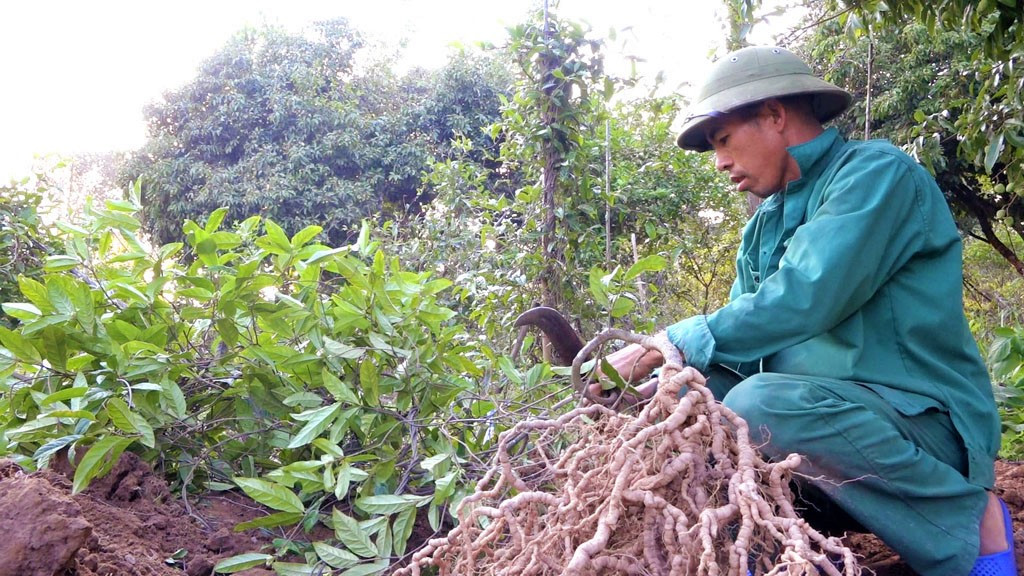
(676, 490)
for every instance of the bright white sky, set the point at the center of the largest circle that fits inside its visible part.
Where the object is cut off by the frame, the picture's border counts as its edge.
(75, 75)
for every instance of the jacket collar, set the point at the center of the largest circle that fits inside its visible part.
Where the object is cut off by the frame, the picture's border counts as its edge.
(812, 157)
(809, 155)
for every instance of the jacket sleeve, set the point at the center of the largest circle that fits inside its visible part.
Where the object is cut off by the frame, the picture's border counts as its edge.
(870, 222)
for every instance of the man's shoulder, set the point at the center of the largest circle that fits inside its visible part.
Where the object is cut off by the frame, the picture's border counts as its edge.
(877, 148)
(877, 153)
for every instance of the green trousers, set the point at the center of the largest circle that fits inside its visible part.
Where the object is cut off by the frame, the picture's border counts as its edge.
(899, 477)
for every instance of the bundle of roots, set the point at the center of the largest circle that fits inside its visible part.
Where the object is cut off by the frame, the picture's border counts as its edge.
(676, 489)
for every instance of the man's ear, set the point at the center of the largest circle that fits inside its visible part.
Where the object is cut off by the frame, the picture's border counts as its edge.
(775, 112)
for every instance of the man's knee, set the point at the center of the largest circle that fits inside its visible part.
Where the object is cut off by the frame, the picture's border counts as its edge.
(778, 409)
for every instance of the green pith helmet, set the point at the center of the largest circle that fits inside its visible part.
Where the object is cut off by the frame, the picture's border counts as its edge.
(751, 75)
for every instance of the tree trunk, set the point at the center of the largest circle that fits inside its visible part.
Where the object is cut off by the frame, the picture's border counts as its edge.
(551, 249)
(983, 213)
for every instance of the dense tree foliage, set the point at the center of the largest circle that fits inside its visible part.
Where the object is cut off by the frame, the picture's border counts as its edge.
(920, 89)
(24, 241)
(304, 129)
(947, 89)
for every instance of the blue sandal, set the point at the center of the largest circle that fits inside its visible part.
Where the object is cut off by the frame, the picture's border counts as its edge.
(1001, 563)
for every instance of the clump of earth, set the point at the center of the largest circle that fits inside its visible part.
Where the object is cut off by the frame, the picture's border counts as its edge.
(129, 523)
(126, 523)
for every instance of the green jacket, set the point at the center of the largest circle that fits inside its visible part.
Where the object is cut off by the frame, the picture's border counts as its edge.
(853, 272)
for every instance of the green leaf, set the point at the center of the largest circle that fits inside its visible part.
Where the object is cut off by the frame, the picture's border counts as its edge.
(22, 310)
(27, 431)
(327, 447)
(100, 458)
(277, 237)
(36, 293)
(434, 517)
(121, 415)
(178, 555)
(273, 495)
(65, 394)
(369, 380)
(72, 414)
(207, 250)
(430, 463)
(295, 569)
(598, 289)
(363, 243)
(242, 562)
(36, 326)
(445, 486)
(58, 292)
(270, 521)
(401, 529)
(215, 219)
(612, 374)
(343, 480)
(19, 346)
(321, 255)
(335, 557)
(367, 569)
(509, 370)
(305, 400)
(305, 235)
(341, 391)
(351, 535)
(168, 250)
(60, 263)
(652, 263)
(317, 421)
(389, 503)
(384, 540)
(51, 447)
(338, 350)
(145, 430)
(992, 152)
(622, 307)
(173, 398)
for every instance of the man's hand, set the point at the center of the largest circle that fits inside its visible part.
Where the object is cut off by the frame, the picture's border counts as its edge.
(634, 363)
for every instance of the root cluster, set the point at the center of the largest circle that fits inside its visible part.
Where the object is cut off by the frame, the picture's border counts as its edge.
(675, 490)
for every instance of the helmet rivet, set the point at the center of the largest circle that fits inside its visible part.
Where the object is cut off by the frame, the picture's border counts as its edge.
(776, 51)
(733, 59)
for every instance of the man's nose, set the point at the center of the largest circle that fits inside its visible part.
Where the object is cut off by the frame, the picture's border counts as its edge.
(722, 161)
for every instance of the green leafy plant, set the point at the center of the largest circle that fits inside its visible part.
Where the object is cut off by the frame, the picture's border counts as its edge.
(327, 383)
(24, 240)
(1006, 361)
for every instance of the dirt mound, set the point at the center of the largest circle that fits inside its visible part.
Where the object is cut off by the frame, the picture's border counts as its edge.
(126, 523)
(43, 529)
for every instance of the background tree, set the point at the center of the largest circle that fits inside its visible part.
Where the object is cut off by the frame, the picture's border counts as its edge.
(304, 129)
(458, 110)
(948, 87)
(558, 100)
(25, 241)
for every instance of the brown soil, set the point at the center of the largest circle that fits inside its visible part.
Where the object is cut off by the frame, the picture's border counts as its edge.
(128, 523)
(125, 524)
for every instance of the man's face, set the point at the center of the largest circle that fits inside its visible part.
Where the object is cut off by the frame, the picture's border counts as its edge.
(752, 150)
